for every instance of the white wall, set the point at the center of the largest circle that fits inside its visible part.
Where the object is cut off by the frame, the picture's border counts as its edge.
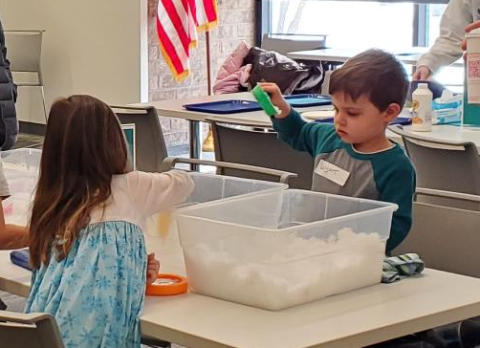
(96, 47)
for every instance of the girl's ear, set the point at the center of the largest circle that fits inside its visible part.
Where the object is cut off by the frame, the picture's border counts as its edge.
(392, 111)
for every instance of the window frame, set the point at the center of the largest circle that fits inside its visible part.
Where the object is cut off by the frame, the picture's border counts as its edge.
(420, 26)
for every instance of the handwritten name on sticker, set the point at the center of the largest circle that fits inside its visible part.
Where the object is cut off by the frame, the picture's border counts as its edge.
(332, 172)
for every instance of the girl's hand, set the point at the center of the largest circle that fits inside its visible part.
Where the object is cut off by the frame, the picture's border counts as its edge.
(153, 267)
(277, 98)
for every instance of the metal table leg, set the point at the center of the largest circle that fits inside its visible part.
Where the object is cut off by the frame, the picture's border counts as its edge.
(195, 146)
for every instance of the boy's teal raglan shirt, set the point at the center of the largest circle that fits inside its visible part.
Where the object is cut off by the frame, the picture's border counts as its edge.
(385, 176)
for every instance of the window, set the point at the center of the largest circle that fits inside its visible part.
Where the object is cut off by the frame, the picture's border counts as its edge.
(347, 24)
(392, 25)
(449, 76)
(434, 14)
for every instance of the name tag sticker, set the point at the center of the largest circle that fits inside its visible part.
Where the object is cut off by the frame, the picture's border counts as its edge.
(331, 172)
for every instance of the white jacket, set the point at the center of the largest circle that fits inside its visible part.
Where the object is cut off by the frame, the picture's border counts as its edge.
(446, 49)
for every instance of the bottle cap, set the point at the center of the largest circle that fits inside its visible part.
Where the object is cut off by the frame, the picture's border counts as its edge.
(423, 85)
(264, 100)
(167, 284)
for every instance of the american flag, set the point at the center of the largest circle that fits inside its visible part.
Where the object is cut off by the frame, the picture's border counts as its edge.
(178, 22)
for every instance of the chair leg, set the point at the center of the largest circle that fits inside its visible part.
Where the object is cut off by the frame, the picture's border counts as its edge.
(44, 105)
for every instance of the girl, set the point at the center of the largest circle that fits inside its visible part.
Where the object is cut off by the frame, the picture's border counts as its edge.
(86, 242)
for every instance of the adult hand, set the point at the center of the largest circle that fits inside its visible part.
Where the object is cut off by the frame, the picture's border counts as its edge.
(422, 73)
(468, 29)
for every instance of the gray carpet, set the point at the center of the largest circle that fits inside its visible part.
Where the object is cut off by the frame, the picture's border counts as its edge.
(29, 140)
(14, 303)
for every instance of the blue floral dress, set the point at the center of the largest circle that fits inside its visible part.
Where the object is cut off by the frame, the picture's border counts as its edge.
(92, 292)
(97, 292)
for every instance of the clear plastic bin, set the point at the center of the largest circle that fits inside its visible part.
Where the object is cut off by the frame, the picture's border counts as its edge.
(21, 162)
(284, 248)
(21, 168)
(162, 234)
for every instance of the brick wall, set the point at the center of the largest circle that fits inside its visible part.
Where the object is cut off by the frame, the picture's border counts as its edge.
(236, 23)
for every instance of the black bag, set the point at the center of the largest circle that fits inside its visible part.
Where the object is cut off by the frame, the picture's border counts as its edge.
(290, 76)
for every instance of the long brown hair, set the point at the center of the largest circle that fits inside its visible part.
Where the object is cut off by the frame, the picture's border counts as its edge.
(84, 147)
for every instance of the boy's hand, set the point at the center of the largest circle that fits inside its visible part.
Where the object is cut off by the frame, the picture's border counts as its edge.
(277, 98)
(153, 267)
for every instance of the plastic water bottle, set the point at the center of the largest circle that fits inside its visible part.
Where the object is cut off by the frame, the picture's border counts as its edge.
(422, 108)
(471, 105)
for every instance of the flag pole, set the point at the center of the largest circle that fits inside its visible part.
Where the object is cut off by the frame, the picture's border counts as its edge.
(209, 66)
(208, 145)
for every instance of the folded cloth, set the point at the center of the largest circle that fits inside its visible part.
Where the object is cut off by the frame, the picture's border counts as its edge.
(21, 258)
(232, 82)
(401, 266)
(233, 73)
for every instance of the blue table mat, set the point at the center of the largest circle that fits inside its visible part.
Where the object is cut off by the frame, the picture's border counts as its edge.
(404, 121)
(233, 106)
(308, 100)
(224, 106)
(21, 258)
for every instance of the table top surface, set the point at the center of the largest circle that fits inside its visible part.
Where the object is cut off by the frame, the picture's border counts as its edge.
(174, 108)
(354, 319)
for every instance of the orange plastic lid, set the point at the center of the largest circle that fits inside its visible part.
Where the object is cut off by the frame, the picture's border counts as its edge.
(167, 284)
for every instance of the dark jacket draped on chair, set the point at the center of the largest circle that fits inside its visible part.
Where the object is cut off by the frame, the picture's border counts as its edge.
(8, 97)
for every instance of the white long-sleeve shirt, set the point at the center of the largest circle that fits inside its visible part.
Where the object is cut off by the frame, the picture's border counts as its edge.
(138, 195)
(446, 49)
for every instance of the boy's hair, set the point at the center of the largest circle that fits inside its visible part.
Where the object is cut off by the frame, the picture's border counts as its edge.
(375, 74)
(84, 147)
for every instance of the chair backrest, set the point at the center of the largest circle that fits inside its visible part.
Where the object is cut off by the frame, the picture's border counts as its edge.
(34, 330)
(284, 44)
(148, 143)
(446, 238)
(259, 147)
(24, 50)
(443, 165)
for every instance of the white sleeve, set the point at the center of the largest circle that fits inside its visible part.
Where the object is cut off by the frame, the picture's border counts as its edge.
(446, 49)
(154, 192)
(4, 190)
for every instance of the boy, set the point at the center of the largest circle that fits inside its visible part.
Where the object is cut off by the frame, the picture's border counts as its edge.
(353, 157)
